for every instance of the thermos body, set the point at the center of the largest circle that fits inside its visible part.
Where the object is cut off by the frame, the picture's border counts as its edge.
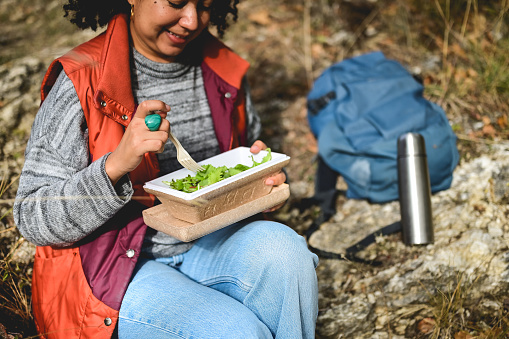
(414, 190)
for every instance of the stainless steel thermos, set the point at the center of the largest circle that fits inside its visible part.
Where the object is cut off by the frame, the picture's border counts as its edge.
(414, 190)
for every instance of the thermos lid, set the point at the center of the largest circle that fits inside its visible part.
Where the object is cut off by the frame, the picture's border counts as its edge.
(411, 144)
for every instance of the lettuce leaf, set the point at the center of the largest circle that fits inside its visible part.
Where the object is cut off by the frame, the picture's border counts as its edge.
(210, 175)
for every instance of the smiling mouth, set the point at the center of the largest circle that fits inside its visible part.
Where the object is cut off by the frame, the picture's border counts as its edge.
(176, 35)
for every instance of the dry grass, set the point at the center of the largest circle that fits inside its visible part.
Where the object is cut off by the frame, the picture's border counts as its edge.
(15, 297)
(455, 312)
(15, 278)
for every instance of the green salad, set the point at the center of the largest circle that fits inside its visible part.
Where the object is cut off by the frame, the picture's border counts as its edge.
(210, 175)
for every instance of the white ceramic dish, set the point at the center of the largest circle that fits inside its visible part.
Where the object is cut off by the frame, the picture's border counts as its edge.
(224, 195)
(239, 155)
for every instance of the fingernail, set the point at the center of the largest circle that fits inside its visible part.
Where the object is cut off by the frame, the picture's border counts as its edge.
(168, 107)
(269, 182)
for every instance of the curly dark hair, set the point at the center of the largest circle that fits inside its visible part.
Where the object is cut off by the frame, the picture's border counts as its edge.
(97, 13)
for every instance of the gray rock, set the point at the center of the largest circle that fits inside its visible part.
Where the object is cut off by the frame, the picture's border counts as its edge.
(468, 260)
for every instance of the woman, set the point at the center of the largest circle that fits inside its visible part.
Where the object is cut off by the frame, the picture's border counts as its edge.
(99, 271)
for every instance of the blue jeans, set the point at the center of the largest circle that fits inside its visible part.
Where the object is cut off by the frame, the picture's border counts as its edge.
(247, 280)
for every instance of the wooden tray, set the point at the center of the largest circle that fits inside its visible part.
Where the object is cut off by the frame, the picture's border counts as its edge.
(161, 219)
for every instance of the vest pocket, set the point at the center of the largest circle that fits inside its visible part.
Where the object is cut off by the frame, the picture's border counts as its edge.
(62, 299)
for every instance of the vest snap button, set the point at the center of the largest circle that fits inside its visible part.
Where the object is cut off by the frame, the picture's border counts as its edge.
(107, 321)
(125, 117)
(130, 253)
(227, 95)
(103, 103)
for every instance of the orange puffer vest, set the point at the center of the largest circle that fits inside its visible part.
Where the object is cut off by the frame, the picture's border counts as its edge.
(77, 291)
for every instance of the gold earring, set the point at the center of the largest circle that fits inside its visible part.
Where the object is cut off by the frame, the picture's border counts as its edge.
(132, 11)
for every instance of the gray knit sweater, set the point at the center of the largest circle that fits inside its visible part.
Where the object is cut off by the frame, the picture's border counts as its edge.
(62, 198)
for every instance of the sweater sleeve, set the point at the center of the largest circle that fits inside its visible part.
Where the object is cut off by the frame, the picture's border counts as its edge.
(61, 197)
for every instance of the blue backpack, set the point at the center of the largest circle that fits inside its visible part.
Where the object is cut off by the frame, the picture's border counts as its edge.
(359, 107)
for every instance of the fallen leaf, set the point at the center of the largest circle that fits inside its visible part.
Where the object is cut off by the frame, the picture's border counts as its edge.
(456, 49)
(473, 135)
(462, 335)
(426, 325)
(486, 120)
(489, 35)
(485, 44)
(392, 9)
(317, 50)
(428, 80)
(502, 121)
(460, 75)
(386, 42)
(312, 145)
(472, 73)
(261, 17)
(439, 42)
(489, 130)
(475, 115)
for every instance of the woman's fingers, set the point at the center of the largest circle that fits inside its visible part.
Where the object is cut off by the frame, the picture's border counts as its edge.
(165, 126)
(149, 138)
(162, 135)
(148, 111)
(257, 146)
(148, 107)
(276, 180)
(138, 140)
(275, 208)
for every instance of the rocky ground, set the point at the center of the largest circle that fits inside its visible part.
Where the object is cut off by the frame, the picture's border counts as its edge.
(454, 288)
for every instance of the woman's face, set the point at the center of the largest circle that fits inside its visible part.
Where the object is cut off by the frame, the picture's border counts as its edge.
(161, 29)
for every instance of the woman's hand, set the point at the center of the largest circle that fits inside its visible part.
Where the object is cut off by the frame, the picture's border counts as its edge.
(138, 140)
(275, 180)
